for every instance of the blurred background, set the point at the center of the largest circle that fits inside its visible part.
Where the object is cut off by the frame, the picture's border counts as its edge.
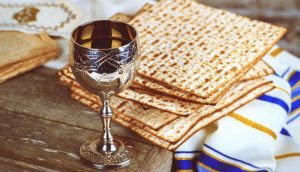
(284, 13)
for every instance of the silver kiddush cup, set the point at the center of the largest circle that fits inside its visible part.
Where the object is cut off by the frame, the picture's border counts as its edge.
(104, 58)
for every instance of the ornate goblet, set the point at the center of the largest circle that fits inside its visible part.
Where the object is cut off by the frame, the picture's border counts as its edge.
(104, 57)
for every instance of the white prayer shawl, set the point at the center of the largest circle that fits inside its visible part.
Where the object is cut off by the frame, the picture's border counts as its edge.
(263, 135)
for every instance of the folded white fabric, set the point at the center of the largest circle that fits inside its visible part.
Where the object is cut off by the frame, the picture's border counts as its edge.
(56, 17)
(263, 135)
(104, 9)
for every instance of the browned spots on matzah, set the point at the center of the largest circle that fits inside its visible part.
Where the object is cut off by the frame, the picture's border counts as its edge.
(225, 42)
(205, 121)
(165, 103)
(182, 124)
(259, 70)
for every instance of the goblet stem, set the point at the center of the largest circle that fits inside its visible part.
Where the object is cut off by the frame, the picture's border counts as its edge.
(107, 144)
(105, 152)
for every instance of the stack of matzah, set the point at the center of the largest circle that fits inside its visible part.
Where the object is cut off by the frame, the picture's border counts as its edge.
(21, 52)
(197, 65)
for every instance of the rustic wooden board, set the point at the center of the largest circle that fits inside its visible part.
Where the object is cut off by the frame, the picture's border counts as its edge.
(41, 129)
(11, 165)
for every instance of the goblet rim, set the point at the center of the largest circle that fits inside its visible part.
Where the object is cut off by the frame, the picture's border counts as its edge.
(100, 49)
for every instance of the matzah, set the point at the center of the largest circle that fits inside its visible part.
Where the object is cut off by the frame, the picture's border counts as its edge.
(259, 70)
(203, 48)
(182, 124)
(17, 68)
(153, 118)
(170, 104)
(64, 79)
(136, 126)
(165, 103)
(21, 52)
(179, 94)
(121, 17)
(147, 98)
(16, 47)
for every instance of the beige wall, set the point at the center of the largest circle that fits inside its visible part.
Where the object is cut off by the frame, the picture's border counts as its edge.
(280, 12)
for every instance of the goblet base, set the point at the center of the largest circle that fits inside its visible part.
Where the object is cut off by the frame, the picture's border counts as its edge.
(105, 160)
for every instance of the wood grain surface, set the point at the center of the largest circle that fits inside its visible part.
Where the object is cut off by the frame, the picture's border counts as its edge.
(42, 128)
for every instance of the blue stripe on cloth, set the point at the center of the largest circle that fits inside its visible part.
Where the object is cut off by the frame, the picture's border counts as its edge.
(285, 132)
(241, 161)
(216, 164)
(285, 72)
(202, 169)
(293, 118)
(294, 78)
(187, 152)
(295, 92)
(185, 164)
(295, 105)
(275, 100)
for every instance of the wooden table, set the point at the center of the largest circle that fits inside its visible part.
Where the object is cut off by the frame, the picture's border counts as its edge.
(42, 128)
